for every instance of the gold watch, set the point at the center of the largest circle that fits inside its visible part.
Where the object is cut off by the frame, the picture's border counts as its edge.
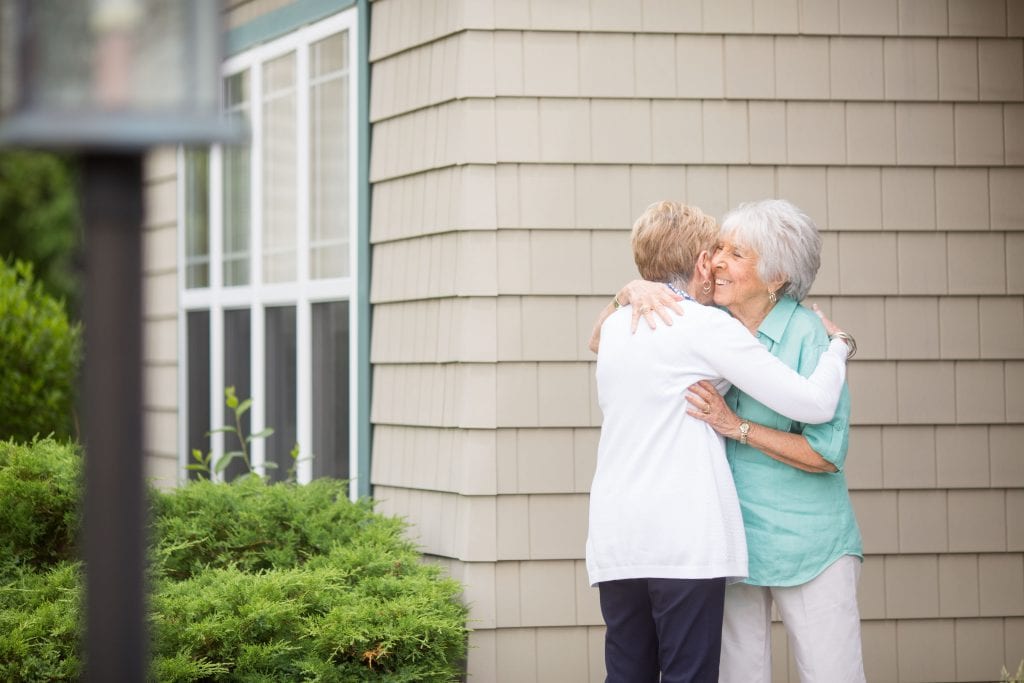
(744, 431)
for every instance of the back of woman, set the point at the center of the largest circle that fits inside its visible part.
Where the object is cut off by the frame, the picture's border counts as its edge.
(662, 501)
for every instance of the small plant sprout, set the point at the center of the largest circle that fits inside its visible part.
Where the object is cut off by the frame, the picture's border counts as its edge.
(202, 463)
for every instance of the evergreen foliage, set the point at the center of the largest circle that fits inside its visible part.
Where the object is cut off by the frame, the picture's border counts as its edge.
(39, 487)
(39, 353)
(250, 582)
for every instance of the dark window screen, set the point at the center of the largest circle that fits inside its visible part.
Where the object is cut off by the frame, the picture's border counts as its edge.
(280, 385)
(197, 325)
(237, 362)
(330, 389)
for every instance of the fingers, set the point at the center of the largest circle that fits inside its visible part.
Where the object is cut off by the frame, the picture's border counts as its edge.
(674, 305)
(703, 417)
(647, 311)
(703, 406)
(663, 313)
(705, 389)
(830, 326)
(648, 298)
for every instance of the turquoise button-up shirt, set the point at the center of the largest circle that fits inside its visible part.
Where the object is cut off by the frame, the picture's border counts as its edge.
(797, 523)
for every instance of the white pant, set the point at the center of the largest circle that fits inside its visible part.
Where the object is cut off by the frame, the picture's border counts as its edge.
(821, 619)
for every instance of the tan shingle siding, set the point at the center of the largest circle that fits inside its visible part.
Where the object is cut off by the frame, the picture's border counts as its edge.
(503, 196)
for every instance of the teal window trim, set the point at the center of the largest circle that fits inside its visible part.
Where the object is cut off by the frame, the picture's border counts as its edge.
(285, 20)
(362, 293)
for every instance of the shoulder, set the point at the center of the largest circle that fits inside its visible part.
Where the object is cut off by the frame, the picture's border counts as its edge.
(709, 318)
(805, 327)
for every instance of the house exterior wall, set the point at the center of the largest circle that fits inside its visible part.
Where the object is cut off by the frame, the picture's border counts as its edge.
(160, 317)
(513, 143)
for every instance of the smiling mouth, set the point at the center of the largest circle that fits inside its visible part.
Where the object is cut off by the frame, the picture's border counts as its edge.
(720, 282)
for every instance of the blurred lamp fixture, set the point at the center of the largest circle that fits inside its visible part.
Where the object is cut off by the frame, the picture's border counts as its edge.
(111, 74)
(109, 79)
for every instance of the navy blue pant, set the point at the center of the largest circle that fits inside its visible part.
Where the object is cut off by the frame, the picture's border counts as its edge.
(667, 626)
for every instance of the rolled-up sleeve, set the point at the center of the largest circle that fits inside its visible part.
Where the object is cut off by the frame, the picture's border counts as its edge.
(831, 439)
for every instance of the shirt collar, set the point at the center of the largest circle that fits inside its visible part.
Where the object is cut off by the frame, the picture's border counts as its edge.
(775, 323)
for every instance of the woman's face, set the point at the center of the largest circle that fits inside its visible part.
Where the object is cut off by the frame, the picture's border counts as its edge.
(736, 278)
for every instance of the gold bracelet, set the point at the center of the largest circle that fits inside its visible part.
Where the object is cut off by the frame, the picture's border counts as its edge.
(615, 302)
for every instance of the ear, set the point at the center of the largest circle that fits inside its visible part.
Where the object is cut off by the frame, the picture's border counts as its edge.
(776, 285)
(703, 270)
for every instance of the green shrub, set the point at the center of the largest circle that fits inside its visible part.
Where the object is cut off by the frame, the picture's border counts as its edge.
(39, 217)
(250, 582)
(39, 351)
(39, 487)
(255, 526)
(39, 627)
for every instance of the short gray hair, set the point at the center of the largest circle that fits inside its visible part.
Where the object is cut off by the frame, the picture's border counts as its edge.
(785, 238)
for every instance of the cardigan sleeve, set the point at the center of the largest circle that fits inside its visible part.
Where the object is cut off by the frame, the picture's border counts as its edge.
(738, 357)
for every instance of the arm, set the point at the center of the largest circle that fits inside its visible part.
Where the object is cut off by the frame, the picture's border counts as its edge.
(645, 297)
(737, 356)
(595, 336)
(790, 449)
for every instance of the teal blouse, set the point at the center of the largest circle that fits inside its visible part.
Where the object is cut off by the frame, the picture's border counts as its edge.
(797, 523)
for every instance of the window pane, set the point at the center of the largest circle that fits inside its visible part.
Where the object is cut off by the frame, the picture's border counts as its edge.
(330, 389)
(237, 374)
(197, 218)
(328, 155)
(279, 169)
(236, 188)
(197, 325)
(280, 378)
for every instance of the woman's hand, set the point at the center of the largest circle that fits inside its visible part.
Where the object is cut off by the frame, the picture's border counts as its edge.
(833, 331)
(648, 298)
(709, 406)
(830, 326)
(791, 449)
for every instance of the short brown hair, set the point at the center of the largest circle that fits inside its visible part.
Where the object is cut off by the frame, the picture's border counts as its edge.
(667, 239)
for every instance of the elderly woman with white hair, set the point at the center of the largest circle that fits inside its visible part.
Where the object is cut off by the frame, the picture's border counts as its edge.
(803, 542)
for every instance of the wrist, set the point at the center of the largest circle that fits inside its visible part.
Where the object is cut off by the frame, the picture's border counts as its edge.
(851, 343)
(743, 431)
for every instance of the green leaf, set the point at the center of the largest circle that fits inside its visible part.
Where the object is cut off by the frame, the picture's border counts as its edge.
(295, 451)
(219, 430)
(225, 460)
(197, 468)
(197, 455)
(261, 434)
(243, 407)
(270, 465)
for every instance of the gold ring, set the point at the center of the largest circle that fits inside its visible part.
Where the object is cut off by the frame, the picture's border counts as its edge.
(644, 310)
(707, 408)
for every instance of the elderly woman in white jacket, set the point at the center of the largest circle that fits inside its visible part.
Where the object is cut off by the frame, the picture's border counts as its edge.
(666, 531)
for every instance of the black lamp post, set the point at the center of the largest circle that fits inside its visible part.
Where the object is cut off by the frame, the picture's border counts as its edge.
(109, 79)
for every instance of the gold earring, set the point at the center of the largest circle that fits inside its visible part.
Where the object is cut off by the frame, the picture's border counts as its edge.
(706, 287)
(772, 297)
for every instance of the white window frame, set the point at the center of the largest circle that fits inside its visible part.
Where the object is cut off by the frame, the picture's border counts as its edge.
(257, 296)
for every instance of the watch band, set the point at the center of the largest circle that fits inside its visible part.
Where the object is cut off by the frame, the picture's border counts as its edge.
(744, 431)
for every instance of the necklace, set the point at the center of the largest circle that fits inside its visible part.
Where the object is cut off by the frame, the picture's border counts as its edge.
(680, 293)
